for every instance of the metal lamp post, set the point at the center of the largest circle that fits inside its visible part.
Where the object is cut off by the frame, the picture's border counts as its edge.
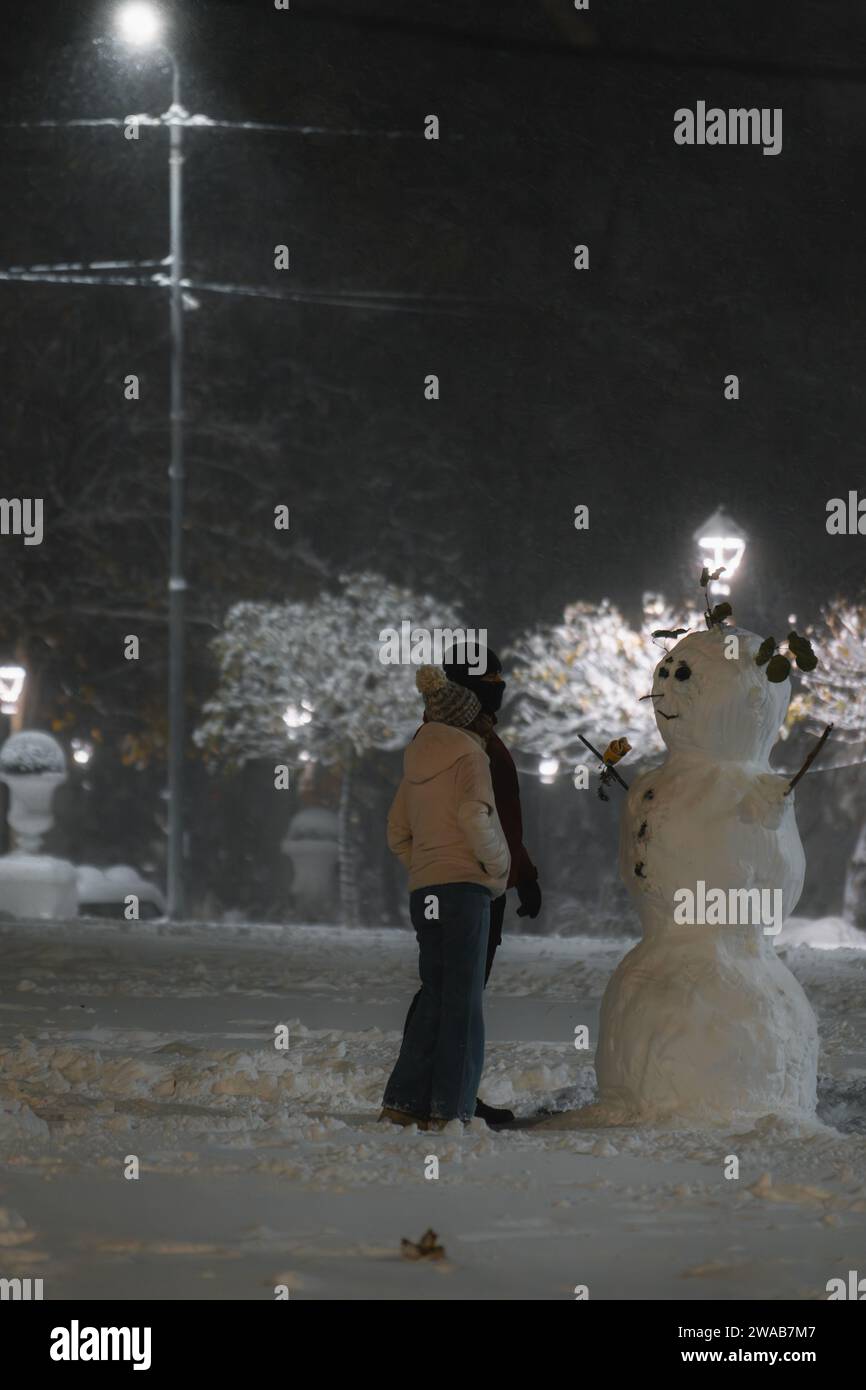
(141, 25)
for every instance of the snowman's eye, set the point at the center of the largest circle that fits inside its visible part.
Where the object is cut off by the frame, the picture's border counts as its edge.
(664, 673)
(683, 672)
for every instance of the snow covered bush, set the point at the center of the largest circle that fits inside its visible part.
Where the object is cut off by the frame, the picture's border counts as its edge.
(31, 752)
(835, 693)
(303, 679)
(305, 676)
(586, 675)
(836, 690)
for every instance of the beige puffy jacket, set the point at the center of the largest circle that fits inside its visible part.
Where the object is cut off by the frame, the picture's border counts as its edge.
(443, 825)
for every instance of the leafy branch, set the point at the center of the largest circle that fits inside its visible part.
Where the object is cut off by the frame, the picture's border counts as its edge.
(778, 663)
(714, 617)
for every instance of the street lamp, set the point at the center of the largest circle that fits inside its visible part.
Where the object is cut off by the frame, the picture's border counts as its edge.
(11, 688)
(142, 24)
(12, 680)
(547, 770)
(721, 542)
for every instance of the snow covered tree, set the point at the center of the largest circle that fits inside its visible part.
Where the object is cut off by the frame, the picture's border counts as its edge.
(304, 679)
(586, 675)
(835, 693)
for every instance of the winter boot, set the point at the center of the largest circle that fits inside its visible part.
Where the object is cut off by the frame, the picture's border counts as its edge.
(402, 1117)
(492, 1115)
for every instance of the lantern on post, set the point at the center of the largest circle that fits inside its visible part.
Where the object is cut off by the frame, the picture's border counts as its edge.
(721, 542)
(11, 688)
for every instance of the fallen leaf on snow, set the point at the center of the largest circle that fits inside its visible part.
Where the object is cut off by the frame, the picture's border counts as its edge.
(425, 1249)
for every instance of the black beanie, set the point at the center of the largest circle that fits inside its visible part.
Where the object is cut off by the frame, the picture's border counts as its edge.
(489, 692)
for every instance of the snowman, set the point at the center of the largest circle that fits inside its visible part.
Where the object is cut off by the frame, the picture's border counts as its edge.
(702, 1022)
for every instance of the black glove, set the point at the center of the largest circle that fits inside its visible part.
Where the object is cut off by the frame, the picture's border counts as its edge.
(529, 894)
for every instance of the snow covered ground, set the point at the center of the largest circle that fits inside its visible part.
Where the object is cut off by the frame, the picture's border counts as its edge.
(262, 1167)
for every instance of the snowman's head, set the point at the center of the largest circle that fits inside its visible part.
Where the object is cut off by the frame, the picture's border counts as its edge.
(710, 696)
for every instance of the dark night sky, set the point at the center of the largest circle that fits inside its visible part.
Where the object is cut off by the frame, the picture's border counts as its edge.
(557, 387)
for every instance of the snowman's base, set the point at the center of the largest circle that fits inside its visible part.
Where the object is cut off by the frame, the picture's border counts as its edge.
(706, 1027)
(614, 1115)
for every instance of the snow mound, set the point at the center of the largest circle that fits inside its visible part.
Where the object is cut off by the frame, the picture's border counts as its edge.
(822, 933)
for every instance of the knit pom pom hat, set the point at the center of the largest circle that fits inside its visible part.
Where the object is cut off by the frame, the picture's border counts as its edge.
(444, 700)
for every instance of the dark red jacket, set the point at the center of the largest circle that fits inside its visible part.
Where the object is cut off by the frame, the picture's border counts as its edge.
(506, 794)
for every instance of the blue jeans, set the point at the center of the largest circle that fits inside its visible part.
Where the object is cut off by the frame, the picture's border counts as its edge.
(442, 1055)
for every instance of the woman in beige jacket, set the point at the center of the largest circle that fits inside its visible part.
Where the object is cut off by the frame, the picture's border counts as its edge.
(444, 828)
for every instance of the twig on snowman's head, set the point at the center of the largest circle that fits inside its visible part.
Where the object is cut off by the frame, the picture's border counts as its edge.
(663, 634)
(713, 617)
(809, 760)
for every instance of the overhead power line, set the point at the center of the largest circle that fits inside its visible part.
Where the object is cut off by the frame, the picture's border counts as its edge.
(199, 122)
(371, 301)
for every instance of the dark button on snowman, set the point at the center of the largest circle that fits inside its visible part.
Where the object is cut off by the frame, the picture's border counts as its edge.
(703, 1021)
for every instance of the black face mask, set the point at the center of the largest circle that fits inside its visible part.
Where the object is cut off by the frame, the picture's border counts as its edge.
(489, 693)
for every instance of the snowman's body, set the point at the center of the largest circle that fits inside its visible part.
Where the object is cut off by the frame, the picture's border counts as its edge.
(704, 1022)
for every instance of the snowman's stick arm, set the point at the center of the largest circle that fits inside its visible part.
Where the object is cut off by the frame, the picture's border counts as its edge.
(809, 761)
(610, 767)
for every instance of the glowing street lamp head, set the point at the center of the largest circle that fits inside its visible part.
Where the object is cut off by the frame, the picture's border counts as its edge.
(139, 23)
(11, 686)
(721, 542)
(547, 770)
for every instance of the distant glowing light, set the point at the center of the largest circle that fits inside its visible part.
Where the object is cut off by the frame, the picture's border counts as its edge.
(139, 23)
(81, 752)
(298, 715)
(11, 686)
(547, 769)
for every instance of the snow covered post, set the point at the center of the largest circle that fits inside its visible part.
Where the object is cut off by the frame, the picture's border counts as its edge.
(311, 843)
(836, 693)
(306, 676)
(33, 766)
